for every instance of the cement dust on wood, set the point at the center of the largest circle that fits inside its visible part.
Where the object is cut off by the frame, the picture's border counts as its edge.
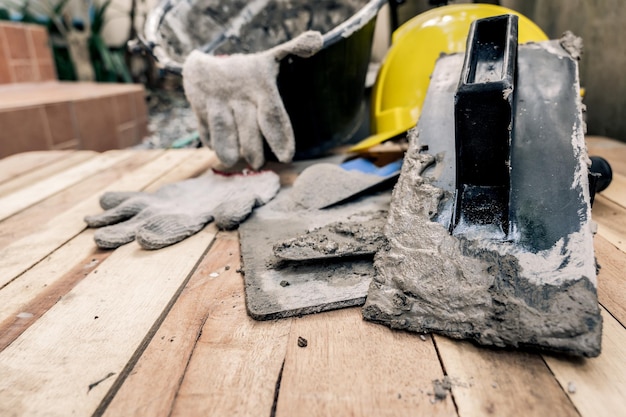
(495, 292)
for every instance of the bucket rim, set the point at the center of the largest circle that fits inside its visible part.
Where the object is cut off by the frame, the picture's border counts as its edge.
(152, 39)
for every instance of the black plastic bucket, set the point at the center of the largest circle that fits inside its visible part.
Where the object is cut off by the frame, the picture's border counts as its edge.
(323, 94)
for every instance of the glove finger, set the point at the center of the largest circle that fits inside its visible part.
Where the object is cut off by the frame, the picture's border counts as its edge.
(276, 127)
(305, 45)
(116, 235)
(112, 199)
(164, 230)
(230, 214)
(112, 237)
(250, 138)
(123, 211)
(223, 132)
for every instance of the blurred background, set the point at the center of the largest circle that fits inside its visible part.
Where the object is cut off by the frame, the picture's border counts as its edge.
(102, 29)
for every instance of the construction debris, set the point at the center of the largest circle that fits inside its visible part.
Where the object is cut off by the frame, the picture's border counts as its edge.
(537, 286)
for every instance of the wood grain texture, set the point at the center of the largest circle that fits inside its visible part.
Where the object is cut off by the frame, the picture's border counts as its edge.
(616, 192)
(145, 391)
(13, 166)
(492, 382)
(236, 361)
(611, 219)
(25, 197)
(612, 278)
(24, 300)
(351, 367)
(29, 221)
(66, 362)
(172, 336)
(26, 252)
(46, 171)
(611, 150)
(597, 386)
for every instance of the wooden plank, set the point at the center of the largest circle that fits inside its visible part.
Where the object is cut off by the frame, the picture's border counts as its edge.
(197, 163)
(15, 165)
(14, 202)
(236, 362)
(616, 192)
(46, 171)
(501, 382)
(145, 392)
(611, 279)
(354, 367)
(67, 361)
(213, 290)
(611, 219)
(26, 252)
(597, 386)
(29, 220)
(610, 149)
(615, 153)
(23, 301)
(617, 239)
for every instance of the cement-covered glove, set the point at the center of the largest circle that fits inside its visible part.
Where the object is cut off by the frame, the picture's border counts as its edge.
(237, 103)
(178, 210)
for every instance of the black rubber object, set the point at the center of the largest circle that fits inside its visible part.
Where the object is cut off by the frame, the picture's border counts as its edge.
(483, 111)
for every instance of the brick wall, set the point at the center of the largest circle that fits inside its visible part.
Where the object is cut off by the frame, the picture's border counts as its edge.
(37, 112)
(25, 55)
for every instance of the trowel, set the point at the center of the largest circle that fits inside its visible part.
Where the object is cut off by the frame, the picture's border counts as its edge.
(489, 231)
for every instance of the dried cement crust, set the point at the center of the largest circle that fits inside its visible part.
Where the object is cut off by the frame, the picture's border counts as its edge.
(247, 26)
(495, 293)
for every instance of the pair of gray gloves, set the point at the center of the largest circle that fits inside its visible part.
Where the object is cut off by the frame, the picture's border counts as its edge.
(237, 104)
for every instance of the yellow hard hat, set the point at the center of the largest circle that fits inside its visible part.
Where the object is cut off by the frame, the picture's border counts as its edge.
(401, 85)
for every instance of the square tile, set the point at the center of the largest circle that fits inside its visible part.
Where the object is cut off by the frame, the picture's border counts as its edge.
(142, 130)
(61, 122)
(127, 136)
(4, 46)
(141, 109)
(97, 124)
(47, 72)
(5, 71)
(17, 41)
(125, 108)
(41, 45)
(22, 130)
(24, 72)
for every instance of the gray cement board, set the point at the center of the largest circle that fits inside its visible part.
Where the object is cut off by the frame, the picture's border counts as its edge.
(276, 291)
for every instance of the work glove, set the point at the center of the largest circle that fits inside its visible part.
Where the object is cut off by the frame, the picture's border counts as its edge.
(179, 210)
(237, 103)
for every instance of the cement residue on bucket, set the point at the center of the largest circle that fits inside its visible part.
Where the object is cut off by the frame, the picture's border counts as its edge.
(237, 26)
(431, 281)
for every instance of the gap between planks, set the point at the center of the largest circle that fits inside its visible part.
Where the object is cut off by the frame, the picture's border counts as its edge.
(22, 254)
(31, 194)
(611, 278)
(94, 330)
(208, 357)
(29, 221)
(16, 165)
(353, 367)
(45, 171)
(596, 386)
(25, 299)
(501, 382)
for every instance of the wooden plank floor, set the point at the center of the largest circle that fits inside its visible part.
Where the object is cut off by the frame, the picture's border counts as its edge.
(165, 333)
